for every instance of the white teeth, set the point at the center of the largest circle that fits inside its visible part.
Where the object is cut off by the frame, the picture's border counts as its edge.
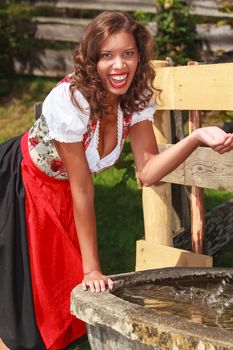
(118, 79)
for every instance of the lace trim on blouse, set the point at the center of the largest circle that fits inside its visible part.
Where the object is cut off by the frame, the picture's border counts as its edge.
(66, 123)
(145, 114)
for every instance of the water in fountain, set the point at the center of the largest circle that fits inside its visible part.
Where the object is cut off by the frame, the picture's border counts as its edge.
(202, 302)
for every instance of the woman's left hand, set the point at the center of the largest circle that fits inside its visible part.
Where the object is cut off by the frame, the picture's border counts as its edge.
(96, 282)
(215, 138)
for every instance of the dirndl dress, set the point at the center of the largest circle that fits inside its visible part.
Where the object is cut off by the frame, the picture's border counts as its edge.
(40, 259)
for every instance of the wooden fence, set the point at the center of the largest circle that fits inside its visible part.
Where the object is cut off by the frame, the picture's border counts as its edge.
(49, 62)
(194, 88)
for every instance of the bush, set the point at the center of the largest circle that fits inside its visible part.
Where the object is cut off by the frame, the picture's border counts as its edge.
(176, 36)
(16, 33)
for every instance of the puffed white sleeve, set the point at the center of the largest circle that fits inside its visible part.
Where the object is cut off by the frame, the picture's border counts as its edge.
(65, 121)
(146, 114)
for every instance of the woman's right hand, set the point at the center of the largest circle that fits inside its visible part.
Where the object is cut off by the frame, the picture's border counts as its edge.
(96, 282)
(215, 138)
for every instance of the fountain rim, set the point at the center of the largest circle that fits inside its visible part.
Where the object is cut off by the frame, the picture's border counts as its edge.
(87, 306)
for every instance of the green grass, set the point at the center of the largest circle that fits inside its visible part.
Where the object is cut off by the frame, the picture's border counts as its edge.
(17, 106)
(213, 198)
(118, 205)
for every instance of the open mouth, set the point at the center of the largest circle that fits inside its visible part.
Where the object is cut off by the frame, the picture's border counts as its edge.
(118, 80)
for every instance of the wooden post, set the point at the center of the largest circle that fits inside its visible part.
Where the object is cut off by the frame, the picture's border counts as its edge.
(37, 109)
(197, 200)
(156, 250)
(197, 196)
(157, 205)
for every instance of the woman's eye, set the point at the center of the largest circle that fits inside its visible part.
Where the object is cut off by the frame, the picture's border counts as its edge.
(105, 55)
(129, 53)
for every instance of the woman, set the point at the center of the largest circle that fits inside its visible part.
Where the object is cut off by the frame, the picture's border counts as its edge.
(48, 234)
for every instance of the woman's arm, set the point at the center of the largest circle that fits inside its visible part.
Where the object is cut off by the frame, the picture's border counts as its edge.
(82, 189)
(151, 166)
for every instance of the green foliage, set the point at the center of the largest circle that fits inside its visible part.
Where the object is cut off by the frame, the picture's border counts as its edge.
(17, 40)
(15, 33)
(226, 6)
(225, 259)
(213, 198)
(176, 36)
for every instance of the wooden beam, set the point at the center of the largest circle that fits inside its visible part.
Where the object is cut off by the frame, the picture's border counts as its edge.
(151, 255)
(204, 168)
(157, 200)
(215, 37)
(197, 194)
(211, 8)
(197, 7)
(49, 63)
(67, 29)
(211, 87)
(103, 5)
(59, 29)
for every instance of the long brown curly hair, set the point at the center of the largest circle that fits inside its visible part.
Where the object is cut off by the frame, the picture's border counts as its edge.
(86, 78)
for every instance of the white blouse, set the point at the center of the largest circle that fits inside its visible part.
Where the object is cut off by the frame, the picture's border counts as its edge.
(64, 122)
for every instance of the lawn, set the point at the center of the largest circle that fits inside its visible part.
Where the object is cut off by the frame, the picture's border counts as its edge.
(118, 205)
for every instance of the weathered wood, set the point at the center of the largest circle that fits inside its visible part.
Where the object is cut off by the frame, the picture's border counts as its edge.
(38, 110)
(60, 29)
(197, 220)
(204, 168)
(197, 194)
(197, 7)
(157, 204)
(49, 63)
(202, 87)
(151, 255)
(157, 212)
(67, 29)
(211, 8)
(219, 228)
(121, 5)
(215, 38)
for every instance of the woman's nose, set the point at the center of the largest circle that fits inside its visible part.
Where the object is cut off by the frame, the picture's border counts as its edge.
(118, 62)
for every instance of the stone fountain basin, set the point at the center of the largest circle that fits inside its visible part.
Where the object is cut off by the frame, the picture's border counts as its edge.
(116, 324)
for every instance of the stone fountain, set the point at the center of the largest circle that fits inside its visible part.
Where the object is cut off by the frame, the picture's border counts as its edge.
(167, 309)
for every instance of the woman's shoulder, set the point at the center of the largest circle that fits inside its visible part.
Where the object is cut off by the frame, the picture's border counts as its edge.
(145, 114)
(66, 121)
(61, 94)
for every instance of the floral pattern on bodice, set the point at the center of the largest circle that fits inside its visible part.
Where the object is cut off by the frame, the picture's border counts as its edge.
(62, 121)
(43, 151)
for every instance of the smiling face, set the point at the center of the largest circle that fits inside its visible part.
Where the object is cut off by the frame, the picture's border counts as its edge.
(118, 62)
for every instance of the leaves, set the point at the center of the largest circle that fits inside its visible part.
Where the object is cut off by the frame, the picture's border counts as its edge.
(176, 36)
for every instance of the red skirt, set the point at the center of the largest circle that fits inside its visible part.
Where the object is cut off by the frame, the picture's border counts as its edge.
(55, 259)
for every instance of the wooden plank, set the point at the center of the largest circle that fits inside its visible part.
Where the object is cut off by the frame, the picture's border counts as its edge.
(202, 87)
(103, 5)
(50, 63)
(157, 201)
(197, 7)
(157, 213)
(67, 29)
(151, 255)
(204, 168)
(60, 29)
(197, 195)
(211, 8)
(215, 37)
